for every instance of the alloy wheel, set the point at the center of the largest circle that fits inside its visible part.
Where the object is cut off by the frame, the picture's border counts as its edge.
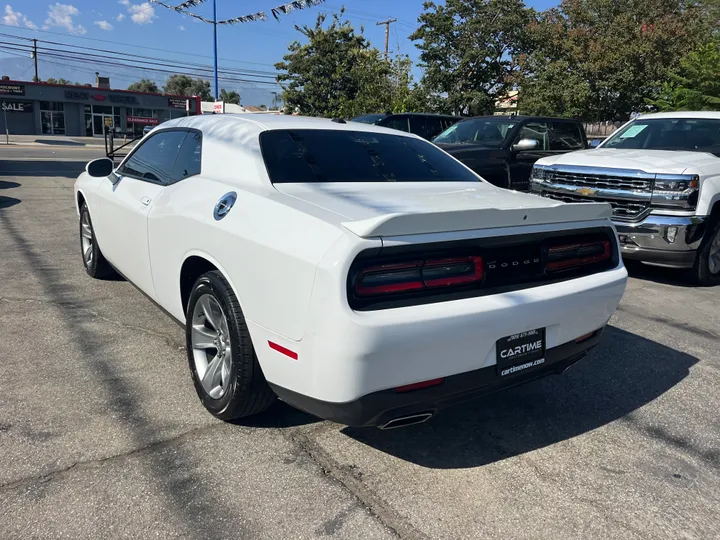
(714, 254)
(86, 239)
(211, 347)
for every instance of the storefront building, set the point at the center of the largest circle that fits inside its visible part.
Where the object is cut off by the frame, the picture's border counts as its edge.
(28, 108)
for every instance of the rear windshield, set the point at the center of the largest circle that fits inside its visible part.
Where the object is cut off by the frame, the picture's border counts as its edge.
(319, 155)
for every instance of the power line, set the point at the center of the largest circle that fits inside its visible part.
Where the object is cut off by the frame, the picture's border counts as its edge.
(190, 53)
(190, 72)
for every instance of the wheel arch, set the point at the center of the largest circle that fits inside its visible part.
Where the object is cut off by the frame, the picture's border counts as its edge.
(79, 200)
(194, 265)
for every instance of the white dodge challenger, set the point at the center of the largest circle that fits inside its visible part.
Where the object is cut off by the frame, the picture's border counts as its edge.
(356, 272)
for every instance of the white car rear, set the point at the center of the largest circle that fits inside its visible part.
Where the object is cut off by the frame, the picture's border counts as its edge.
(356, 272)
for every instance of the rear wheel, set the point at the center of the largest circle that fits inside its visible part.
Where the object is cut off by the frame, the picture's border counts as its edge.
(224, 368)
(707, 263)
(93, 260)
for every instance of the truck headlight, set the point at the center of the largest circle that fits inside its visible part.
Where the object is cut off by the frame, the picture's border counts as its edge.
(539, 173)
(676, 190)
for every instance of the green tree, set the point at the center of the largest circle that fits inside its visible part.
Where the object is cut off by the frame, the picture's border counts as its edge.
(51, 81)
(336, 73)
(406, 95)
(602, 59)
(230, 97)
(468, 49)
(144, 85)
(182, 85)
(696, 85)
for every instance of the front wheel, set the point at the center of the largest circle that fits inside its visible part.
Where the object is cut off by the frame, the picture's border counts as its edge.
(707, 263)
(224, 367)
(93, 260)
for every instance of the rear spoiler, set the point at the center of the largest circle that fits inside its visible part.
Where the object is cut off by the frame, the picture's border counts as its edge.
(481, 218)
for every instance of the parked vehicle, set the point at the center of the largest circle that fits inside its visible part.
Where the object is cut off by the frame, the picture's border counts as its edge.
(503, 149)
(661, 174)
(356, 272)
(424, 125)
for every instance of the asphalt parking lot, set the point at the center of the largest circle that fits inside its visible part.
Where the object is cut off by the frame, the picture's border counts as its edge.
(102, 436)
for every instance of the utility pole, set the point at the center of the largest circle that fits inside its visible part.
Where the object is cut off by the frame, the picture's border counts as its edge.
(217, 91)
(37, 79)
(387, 35)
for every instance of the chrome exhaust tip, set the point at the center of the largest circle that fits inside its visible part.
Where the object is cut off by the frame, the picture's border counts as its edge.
(410, 420)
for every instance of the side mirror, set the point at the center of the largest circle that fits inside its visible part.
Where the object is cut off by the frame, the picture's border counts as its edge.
(594, 143)
(100, 168)
(524, 145)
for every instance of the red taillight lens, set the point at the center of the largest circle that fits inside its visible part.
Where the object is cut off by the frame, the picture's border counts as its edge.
(419, 385)
(573, 255)
(429, 274)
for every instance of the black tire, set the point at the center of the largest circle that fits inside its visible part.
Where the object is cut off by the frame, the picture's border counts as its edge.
(97, 267)
(701, 270)
(248, 392)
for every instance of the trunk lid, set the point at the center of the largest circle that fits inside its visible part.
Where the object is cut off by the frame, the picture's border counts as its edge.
(393, 209)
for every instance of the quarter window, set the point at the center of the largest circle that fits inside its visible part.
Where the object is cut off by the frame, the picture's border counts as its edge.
(566, 136)
(189, 159)
(154, 160)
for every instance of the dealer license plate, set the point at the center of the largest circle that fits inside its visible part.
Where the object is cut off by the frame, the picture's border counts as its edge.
(520, 352)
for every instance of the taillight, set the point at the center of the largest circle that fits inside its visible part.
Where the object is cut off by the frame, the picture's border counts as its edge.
(415, 275)
(568, 256)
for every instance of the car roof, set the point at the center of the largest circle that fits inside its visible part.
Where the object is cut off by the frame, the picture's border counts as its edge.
(434, 115)
(521, 118)
(225, 124)
(709, 115)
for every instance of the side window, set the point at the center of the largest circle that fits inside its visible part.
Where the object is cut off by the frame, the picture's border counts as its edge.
(154, 159)
(418, 125)
(397, 122)
(189, 159)
(566, 136)
(435, 126)
(537, 131)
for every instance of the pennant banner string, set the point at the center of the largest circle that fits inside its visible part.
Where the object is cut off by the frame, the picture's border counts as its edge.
(259, 16)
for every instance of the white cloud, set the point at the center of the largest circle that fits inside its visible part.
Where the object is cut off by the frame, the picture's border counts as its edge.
(124, 2)
(142, 13)
(104, 25)
(61, 15)
(14, 18)
(181, 27)
(120, 17)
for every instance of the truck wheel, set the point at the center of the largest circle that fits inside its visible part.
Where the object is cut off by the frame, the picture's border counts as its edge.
(224, 368)
(93, 260)
(707, 263)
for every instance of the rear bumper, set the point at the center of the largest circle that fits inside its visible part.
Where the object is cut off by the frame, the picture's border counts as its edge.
(378, 408)
(662, 240)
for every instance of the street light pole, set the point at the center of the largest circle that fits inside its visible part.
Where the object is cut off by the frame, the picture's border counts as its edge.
(217, 91)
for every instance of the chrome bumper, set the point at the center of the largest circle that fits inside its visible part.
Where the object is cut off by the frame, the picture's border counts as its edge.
(662, 240)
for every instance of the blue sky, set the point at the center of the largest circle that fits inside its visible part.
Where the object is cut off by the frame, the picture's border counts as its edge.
(138, 27)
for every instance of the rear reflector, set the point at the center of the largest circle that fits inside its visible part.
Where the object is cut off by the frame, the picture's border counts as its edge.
(585, 337)
(433, 273)
(568, 256)
(419, 385)
(283, 350)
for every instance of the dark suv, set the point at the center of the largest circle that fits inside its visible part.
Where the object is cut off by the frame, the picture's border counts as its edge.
(422, 124)
(503, 149)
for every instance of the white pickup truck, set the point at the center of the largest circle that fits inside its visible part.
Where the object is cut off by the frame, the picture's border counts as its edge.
(661, 174)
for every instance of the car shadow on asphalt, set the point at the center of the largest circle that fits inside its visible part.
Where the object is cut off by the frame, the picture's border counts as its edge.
(188, 495)
(677, 277)
(44, 168)
(623, 374)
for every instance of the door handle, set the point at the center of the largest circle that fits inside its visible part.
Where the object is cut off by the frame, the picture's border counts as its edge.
(145, 200)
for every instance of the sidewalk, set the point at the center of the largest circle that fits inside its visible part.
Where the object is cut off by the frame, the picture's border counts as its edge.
(60, 140)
